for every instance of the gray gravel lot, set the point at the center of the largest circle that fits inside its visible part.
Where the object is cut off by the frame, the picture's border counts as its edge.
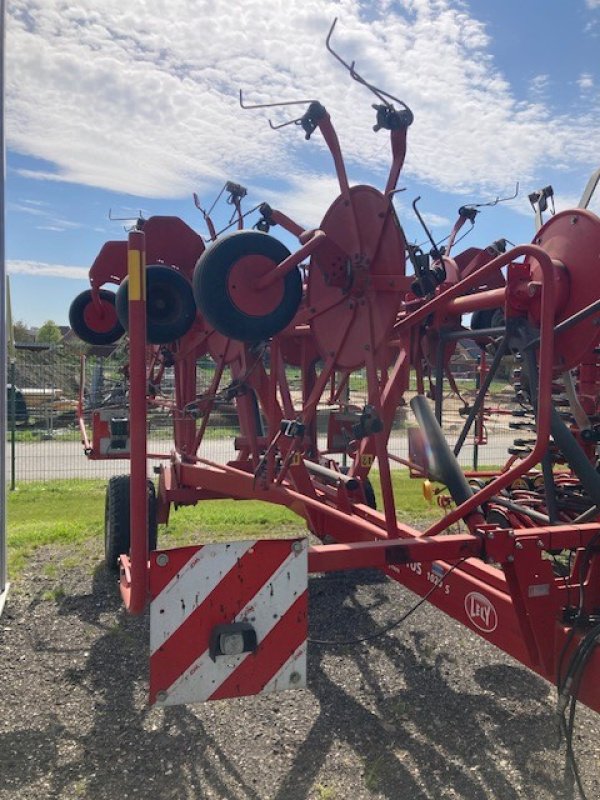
(426, 711)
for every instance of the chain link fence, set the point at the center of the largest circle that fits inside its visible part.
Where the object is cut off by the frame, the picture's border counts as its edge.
(44, 440)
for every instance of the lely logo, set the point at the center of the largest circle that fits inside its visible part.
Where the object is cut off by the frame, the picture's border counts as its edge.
(481, 612)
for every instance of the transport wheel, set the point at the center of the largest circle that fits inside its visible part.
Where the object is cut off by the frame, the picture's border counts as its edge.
(93, 324)
(117, 534)
(368, 489)
(225, 292)
(369, 493)
(497, 517)
(487, 318)
(170, 306)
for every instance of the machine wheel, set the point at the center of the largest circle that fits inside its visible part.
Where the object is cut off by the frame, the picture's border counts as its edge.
(117, 533)
(170, 307)
(224, 287)
(94, 325)
(488, 318)
(369, 491)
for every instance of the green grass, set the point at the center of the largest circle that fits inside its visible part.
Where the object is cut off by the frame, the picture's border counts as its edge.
(230, 519)
(54, 595)
(324, 792)
(72, 512)
(373, 773)
(408, 494)
(28, 435)
(57, 512)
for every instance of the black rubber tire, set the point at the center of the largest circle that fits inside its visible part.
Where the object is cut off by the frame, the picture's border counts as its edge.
(214, 301)
(117, 532)
(499, 518)
(369, 494)
(80, 326)
(368, 489)
(487, 318)
(170, 306)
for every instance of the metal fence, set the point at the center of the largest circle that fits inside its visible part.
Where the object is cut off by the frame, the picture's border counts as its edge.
(44, 442)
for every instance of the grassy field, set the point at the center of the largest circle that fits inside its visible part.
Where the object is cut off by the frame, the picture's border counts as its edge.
(71, 512)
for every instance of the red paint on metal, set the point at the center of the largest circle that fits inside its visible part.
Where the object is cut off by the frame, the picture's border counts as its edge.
(100, 319)
(176, 560)
(360, 308)
(244, 286)
(358, 315)
(493, 298)
(356, 555)
(138, 596)
(273, 651)
(572, 239)
(231, 594)
(273, 276)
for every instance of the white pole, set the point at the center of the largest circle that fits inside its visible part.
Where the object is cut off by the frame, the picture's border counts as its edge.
(3, 426)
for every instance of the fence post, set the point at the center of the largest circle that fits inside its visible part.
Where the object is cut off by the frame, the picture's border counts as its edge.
(136, 595)
(3, 321)
(13, 425)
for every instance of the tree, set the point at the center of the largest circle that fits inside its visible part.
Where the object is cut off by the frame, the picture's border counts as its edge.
(21, 332)
(49, 333)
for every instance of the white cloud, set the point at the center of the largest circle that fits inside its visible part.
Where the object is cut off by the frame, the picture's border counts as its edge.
(40, 175)
(35, 203)
(55, 228)
(99, 91)
(538, 85)
(592, 3)
(26, 209)
(44, 270)
(585, 81)
(305, 197)
(42, 209)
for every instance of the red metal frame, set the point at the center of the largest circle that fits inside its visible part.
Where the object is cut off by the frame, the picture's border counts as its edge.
(361, 310)
(134, 566)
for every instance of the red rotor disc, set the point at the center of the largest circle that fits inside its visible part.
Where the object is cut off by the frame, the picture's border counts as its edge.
(241, 285)
(222, 348)
(361, 314)
(573, 238)
(100, 317)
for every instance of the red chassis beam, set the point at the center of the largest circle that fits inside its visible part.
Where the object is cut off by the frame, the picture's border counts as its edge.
(379, 555)
(134, 568)
(527, 627)
(518, 608)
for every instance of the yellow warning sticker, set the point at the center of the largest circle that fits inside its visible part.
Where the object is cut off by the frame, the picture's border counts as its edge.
(137, 282)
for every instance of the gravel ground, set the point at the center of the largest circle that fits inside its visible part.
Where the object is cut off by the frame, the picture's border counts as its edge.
(426, 711)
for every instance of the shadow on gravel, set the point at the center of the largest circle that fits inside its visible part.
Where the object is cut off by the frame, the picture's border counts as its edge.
(416, 742)
(428, 737)
(127, 754)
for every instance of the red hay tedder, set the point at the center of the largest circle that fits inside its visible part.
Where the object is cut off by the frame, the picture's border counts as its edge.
(524, 570)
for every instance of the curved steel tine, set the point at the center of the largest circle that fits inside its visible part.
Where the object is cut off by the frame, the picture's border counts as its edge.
(124, 219)
(283, 124)
(275, 105)
(508, 197)
(512, 196)
(350, 67)
(379, 93)
(435, 251)
(589, 190)
(197, 204)
(498, 199)
(330, 48)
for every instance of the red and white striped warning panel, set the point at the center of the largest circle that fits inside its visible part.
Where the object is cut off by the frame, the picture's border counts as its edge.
(228, 620)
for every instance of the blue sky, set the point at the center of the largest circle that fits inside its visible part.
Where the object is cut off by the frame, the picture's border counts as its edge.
(133, 106)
